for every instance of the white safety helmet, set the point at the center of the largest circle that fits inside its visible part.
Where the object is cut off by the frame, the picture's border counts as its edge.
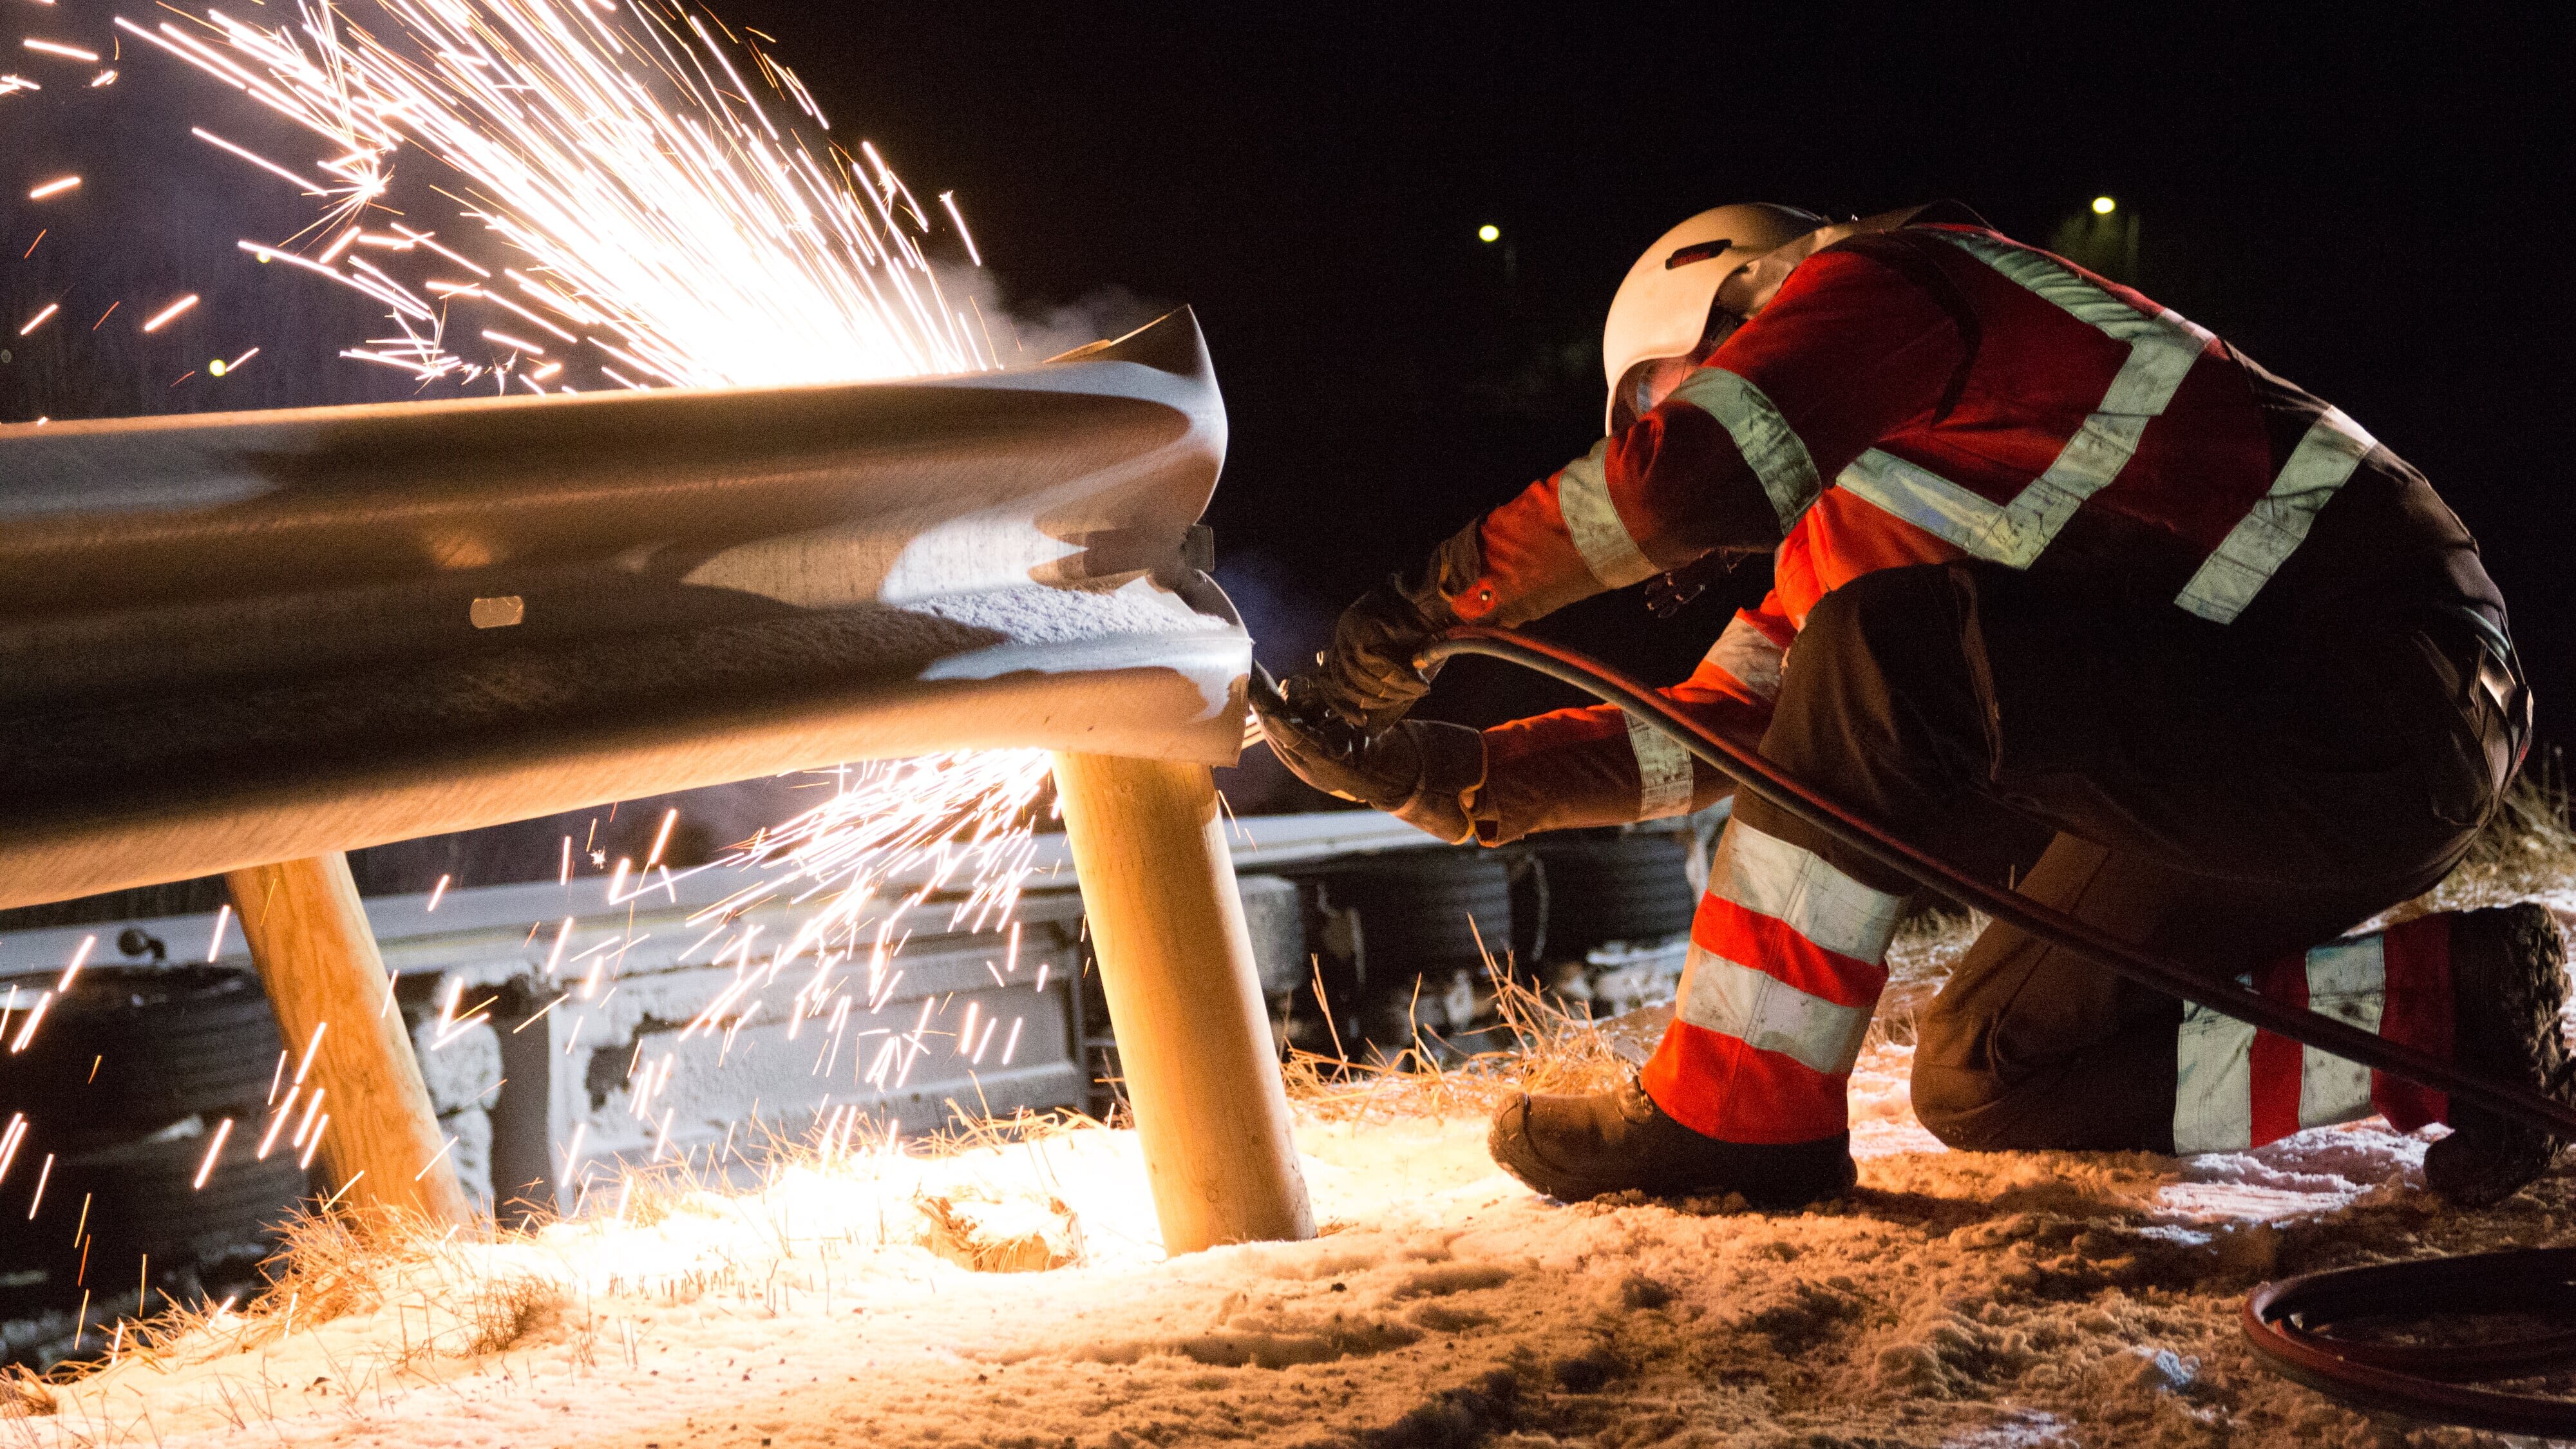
(1666, 316)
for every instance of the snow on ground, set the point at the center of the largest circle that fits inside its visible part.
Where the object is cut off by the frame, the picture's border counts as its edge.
(2012, 1301)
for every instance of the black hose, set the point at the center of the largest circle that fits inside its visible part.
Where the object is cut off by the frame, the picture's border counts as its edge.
(2290, 1325)
(1768, 782)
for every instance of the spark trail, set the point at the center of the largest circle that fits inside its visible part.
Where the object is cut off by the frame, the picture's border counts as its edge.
(633, 198)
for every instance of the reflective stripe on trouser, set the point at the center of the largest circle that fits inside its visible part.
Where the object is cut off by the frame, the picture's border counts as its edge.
(2237, 1087)
(1788, 956)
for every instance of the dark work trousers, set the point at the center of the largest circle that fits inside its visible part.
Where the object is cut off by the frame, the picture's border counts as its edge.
(2227, 798)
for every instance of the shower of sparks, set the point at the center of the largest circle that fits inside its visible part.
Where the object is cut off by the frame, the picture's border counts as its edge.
(935, 821)
(624, 194)
(664, 217)
(631, 209)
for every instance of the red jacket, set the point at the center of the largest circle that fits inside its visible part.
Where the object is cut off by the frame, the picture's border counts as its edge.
(1924, 394)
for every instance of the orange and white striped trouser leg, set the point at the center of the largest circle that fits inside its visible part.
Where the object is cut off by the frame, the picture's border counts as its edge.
(2236, 1086)
(1788, 956)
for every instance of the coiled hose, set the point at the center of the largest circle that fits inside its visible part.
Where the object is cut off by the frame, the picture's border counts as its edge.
(2287, 1323)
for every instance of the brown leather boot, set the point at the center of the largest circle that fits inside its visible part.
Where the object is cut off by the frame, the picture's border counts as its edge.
(2508, 986)
(1577, 1147)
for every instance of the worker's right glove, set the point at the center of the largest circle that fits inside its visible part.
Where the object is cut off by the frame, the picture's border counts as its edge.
(1420, 771)
(1367, 677)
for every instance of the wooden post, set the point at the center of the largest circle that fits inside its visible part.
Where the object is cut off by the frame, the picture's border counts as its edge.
(1185, 1000)
(317, 959)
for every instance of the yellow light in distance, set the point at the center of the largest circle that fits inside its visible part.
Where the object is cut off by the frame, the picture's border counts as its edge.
(2104, 206)
(216, 368)
(1489, 233)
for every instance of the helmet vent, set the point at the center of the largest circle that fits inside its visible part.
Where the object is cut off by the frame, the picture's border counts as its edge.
(1695, 252)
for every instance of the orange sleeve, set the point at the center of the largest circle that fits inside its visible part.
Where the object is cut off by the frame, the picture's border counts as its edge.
(1592, 766)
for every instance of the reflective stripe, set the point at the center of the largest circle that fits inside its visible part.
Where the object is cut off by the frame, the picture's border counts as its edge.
(1749, 657)
(1768, 1014)
(2278, 523)
(1593, 522)
(2347, 980)
(2213, 1055)
(1770, 877)
(2055, 282)
(1937, 506)
(1771, 448)
(2162, 350)
(2102, 446)
(2213, 1083)
(1663, 771)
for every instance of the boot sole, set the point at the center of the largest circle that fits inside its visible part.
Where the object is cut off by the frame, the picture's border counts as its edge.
(2518, 1036)
(1509, 1152)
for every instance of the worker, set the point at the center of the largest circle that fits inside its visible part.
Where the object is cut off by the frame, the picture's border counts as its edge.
(2066, 589)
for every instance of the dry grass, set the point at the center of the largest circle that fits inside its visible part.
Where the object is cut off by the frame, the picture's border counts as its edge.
(25, 1394)
(510, 1311)
(336, 1263)
(1555, 1047)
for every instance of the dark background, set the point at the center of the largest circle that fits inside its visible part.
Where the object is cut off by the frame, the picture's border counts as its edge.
(2373, 207)
(2372, 204)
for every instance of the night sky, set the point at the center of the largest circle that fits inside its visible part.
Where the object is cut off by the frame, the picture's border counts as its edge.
(2374, 208)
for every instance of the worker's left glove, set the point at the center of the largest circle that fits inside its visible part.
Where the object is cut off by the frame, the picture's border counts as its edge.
(1420, 771)
(1367, 677)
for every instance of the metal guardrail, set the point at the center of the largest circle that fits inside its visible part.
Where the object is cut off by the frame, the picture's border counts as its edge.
(230, 640)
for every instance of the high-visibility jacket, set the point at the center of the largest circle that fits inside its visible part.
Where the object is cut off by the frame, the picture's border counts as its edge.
(1918, 393)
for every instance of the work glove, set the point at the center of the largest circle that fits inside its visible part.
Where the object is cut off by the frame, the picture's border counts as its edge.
(1367, 677)
(1420, 771)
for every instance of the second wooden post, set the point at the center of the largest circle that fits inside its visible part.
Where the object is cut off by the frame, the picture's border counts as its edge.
(317, 958)
(1184, 999)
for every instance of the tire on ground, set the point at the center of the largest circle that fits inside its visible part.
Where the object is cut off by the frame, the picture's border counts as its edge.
(130, 1050)
(1424, 911)
(142, 1197)
(1627, 887)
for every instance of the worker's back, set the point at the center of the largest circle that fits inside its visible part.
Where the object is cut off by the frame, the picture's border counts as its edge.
(2074, 425)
